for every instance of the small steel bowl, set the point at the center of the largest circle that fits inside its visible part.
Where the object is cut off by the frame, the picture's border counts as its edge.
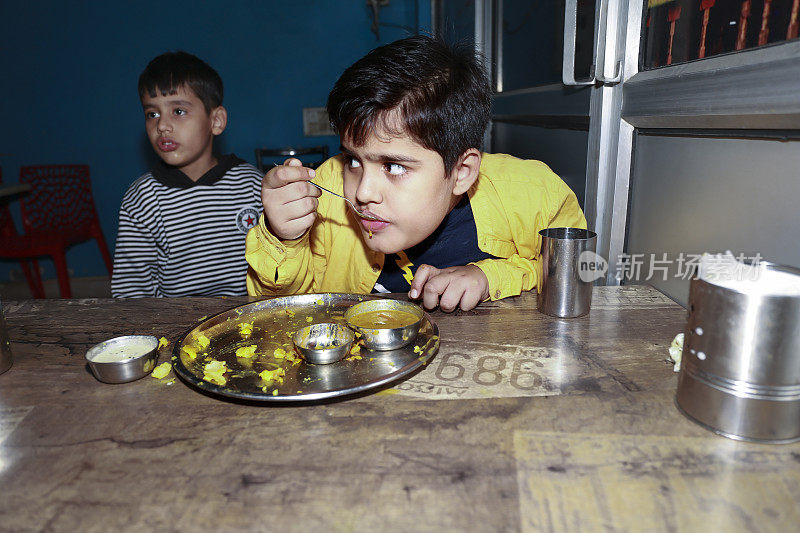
(378, 336)
(323, 343)
(123, 359)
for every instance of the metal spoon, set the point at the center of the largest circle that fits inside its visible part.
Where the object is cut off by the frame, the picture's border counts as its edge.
(357, 210)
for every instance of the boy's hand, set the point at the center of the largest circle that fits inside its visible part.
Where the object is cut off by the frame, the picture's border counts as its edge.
(290, 202)
(459, 286)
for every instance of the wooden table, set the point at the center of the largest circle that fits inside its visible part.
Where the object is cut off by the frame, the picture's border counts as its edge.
(522, 422)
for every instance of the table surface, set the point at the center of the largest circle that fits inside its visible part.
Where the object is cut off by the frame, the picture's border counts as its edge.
(522, 422)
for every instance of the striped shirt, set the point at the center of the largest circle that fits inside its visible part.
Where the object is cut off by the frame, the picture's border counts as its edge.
(182, 238)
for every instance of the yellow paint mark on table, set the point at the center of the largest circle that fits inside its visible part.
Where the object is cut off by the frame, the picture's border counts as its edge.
(583, 482)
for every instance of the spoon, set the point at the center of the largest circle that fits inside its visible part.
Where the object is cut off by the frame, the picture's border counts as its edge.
(357, 210)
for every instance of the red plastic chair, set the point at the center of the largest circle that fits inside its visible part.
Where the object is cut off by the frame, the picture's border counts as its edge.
(58, 212)
(9, 238)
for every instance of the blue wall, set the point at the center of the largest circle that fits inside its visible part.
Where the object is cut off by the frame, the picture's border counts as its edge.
(70, 71)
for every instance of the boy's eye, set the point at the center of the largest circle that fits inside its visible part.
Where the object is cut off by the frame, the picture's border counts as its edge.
(151, 114)
(352, 162)
(180, 112)
(394, 169)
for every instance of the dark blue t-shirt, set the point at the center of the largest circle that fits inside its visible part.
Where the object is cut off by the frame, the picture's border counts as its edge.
(454, 243)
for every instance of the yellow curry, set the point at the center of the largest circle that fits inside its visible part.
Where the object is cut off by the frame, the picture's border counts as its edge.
(384, 319)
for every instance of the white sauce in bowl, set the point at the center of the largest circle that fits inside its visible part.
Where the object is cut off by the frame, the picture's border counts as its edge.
(122, 350)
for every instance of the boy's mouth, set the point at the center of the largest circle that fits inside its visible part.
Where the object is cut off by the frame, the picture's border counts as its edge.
(167, 145)
(373, 225)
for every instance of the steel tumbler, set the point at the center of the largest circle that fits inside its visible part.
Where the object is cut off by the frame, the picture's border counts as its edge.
(568, 263)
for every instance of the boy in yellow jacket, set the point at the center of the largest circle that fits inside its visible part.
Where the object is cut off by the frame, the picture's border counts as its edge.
(450, 224)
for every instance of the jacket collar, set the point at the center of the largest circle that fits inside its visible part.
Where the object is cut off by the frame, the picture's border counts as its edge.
(172, 177)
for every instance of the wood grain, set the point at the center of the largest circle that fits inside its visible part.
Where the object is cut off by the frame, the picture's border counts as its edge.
(77, 454)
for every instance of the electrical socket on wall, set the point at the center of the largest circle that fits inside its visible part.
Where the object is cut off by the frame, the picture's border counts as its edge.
(316, 122)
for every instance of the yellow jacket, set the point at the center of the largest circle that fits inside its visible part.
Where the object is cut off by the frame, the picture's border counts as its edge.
(511, 200)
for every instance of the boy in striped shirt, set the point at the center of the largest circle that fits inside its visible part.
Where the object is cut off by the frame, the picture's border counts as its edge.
(182, 225)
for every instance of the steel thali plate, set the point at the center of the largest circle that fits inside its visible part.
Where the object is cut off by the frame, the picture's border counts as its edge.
(273, 322)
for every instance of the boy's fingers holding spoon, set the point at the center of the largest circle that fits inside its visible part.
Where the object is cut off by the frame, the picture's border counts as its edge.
(291, 171)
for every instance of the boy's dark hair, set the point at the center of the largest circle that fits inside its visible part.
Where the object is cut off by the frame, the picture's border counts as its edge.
(441, 93)
(172, 70)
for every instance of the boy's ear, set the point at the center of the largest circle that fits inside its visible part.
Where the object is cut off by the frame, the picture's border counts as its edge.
(219, 119)
(466, 170)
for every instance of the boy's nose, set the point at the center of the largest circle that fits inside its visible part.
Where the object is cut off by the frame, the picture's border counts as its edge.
(368, 187)
(164, 125)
